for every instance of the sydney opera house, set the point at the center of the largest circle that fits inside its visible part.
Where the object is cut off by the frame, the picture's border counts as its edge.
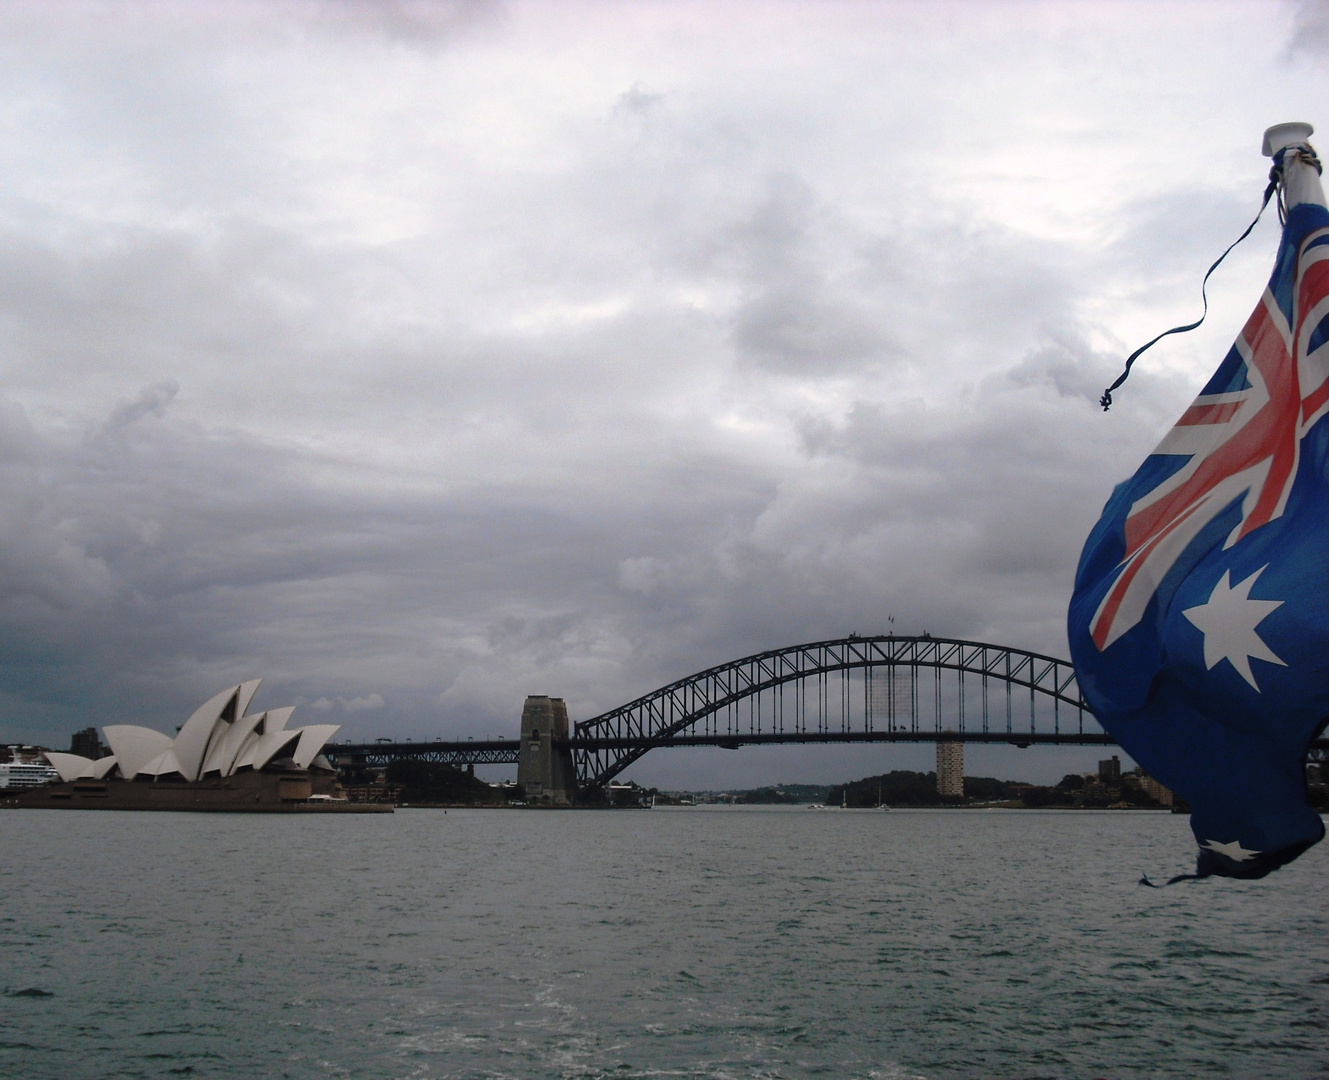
(222, 758)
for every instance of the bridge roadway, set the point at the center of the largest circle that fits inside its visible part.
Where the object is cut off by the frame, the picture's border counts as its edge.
(508, 751)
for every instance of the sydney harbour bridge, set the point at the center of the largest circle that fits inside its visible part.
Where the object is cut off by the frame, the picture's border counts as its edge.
(876, 689)
(850, 690)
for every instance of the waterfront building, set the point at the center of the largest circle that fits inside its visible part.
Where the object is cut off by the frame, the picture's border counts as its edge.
(1109, 771)
(1155, 790)
(219, 739)
(950, 768)
(221, 758)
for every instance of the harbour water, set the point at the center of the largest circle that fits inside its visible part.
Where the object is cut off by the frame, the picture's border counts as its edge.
(679, 943)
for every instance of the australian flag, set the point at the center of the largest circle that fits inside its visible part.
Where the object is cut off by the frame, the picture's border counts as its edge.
(1199, 626)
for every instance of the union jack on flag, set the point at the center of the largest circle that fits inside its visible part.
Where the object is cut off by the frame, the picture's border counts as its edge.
(1199, 624)
(1240, 439)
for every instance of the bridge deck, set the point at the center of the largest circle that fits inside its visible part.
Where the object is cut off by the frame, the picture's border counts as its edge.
(506, 751)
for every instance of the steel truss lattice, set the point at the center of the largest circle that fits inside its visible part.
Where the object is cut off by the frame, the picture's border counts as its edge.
(468, 752)
(862, 689)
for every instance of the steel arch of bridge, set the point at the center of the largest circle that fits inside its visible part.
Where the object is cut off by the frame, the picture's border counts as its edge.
(883, 688)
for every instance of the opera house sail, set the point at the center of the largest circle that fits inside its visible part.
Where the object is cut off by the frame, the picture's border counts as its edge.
(222, 758)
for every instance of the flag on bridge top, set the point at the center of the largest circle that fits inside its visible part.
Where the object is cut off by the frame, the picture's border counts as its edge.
(1199, 624)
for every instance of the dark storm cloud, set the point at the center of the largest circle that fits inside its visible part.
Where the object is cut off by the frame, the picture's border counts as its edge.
(151, 567)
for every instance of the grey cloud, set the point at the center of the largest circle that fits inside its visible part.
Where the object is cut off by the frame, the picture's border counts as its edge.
(638, 100)
(797, 313)
(152, 400)
(503, 382)
(1310, 30)
(1172, 239)
(362, 703)
(786, 329)
(255, 569)
(592, 547)
(18, 440)
(1068, 364)
(413, 22)
(100, 304)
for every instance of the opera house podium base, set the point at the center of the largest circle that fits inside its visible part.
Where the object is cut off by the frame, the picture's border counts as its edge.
(270, 791)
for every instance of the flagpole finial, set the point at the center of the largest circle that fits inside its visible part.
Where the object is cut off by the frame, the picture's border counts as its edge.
(1296, 167)
(1281, 136)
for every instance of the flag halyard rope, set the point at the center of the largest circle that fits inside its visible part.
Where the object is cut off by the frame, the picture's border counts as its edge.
(1302, 153)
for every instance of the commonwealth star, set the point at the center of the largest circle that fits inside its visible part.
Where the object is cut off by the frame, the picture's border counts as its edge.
(1228, 623)
(1233, 850)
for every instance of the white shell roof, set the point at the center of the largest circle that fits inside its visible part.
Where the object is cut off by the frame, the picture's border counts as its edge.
(270, 721)
(218, 738)
(312, 739)
(135, 746)
(266, 748)
(221, 758)
(70, 766)
(163, 764)
(191, 745)
(277, 718)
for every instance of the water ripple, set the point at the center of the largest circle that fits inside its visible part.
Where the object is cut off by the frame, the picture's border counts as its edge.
(734, 944)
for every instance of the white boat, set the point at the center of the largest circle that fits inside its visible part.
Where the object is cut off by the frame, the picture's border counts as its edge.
(25, 774)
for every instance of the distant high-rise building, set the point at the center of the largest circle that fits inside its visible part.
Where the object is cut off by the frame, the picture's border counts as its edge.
(1109, 771)
(950, 768)
(86, 744)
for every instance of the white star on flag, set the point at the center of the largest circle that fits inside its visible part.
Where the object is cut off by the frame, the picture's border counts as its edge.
(1228, 623)
(1233, 850)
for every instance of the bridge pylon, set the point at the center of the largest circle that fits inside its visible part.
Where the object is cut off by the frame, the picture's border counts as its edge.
(545, 773)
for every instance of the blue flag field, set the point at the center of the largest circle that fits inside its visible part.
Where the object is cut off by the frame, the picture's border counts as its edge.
(1199, 624)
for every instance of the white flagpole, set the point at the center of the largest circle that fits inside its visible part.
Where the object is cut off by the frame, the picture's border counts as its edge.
(1301, 179)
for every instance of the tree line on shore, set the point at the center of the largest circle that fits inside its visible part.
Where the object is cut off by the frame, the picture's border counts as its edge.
(905, 788)
(412, 782)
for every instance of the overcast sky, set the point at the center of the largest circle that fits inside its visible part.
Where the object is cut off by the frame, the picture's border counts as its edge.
(420, 357)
